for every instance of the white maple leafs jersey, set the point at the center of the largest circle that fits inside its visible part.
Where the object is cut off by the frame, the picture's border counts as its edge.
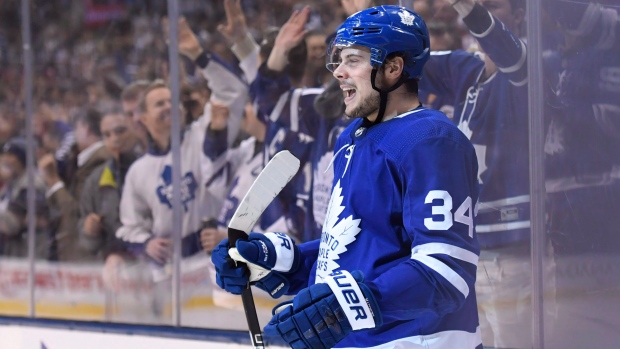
(402, 212)
(146, 202)
(235, 171)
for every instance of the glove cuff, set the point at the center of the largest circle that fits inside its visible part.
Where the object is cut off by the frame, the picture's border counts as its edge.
(275, 284)
(357, 301)
(286, 258)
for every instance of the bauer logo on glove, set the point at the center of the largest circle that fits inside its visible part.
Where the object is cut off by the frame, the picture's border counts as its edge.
(267, 256)
(323, 314)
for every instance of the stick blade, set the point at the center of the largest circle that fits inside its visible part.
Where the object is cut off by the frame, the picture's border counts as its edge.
(276, 174)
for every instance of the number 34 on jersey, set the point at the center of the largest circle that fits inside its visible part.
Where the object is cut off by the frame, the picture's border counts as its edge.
(442, 218)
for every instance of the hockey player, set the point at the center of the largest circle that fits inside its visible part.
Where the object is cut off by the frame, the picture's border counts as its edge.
(396, 264)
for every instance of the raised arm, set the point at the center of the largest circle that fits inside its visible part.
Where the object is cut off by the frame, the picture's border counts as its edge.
(236, 32)
(227, 84)
(499, 40)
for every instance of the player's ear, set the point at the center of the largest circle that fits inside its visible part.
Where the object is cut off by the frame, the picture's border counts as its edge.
(393, 68)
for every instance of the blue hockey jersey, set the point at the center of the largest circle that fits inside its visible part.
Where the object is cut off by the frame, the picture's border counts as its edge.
(402, 212)
(322, 173)
(492, 112)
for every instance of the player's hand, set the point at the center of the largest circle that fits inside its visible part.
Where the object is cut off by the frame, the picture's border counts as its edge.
(230, 276)
(315, 318)
(267, 256)
(92, 225)
(189, 45)
(236, 28)
(210, 237)
(219, 115)
(159, 249)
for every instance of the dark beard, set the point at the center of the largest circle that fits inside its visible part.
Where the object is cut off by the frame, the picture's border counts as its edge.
(368, 106)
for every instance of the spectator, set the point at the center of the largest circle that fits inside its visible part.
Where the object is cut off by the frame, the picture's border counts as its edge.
(281, 96)
(316, 75)
(63, 198)
(240, 166)
(13, 206)
(91, 151)
(490, 108)
(444, 36)
(130, 97)
(100, 199)
(56, 137)
(10, 124)
(146, 202)
(194, 98)
(583, 173)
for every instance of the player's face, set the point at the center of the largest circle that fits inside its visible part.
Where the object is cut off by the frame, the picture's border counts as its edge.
(156, 117)
(353, 73)
(116, 135)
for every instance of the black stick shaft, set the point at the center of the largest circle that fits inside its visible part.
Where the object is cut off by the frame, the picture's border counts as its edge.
(249, 307)
(256, 334)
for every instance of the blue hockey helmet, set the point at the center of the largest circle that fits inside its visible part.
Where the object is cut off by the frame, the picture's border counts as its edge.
(384, 30)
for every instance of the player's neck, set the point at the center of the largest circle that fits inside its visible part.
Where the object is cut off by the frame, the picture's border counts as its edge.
(400, 101)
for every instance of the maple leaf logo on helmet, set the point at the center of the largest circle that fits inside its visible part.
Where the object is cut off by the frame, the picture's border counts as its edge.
(406, 18)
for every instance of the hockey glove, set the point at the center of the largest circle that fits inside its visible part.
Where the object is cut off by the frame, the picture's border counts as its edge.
(267, 256)
(323, 314)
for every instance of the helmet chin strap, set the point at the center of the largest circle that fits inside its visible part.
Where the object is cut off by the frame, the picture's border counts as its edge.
(383, 96)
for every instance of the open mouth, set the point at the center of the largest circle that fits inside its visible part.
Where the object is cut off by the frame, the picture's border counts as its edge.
(349, 94)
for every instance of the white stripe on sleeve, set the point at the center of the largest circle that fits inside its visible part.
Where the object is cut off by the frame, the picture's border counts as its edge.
(447, 249)
(455, 279)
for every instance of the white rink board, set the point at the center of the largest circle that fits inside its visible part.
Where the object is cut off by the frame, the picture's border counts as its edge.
(22, 337)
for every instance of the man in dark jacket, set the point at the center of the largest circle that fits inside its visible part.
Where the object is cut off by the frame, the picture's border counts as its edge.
(100, 199)
(13, 206)
(63, 197)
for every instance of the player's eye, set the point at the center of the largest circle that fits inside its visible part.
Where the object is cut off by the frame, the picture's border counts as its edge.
(351, 62)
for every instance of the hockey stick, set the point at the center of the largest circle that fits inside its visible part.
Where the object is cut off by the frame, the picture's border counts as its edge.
(276, 174)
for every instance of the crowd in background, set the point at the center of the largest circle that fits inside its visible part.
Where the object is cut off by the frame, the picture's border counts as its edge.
(84, 59)
(96, 61)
